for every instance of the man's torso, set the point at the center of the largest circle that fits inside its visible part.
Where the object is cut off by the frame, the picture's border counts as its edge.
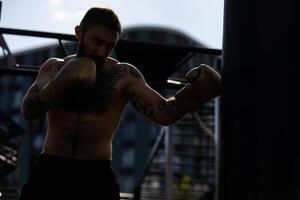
(81, 123)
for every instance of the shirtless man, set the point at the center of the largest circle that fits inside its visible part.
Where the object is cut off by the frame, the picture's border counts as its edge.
(84, 96)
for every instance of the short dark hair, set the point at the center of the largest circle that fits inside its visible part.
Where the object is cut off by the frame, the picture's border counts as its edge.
(101, 16)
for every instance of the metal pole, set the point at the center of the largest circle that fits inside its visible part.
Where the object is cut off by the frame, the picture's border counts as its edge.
(168, 167)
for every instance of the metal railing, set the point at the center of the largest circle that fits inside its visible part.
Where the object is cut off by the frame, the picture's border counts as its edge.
(152, 154)
(166, 136)
(70, 37)
(21, 70)
(13, 193)
(15, 69)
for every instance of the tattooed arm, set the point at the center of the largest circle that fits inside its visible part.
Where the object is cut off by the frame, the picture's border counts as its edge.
(150, 103)
(31, 107)
(204, 84)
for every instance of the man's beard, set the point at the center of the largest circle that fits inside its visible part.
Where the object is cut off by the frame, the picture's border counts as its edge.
(81, 52)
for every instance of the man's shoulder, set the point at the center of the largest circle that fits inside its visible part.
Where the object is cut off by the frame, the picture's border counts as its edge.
(112, 61)
(130, 69)
(69, 57)
(115, 64)
(51, 64)
(125, 65)
(133, 72)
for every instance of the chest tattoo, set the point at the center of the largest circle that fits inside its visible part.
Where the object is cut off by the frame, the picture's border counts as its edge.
(98, 98)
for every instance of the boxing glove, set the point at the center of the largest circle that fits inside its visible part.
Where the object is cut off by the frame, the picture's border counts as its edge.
(79, 72)
(204, 83)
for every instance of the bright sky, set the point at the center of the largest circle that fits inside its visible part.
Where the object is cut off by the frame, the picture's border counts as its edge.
(200, 19)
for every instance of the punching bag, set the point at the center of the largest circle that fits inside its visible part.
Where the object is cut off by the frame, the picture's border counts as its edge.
(259, 147)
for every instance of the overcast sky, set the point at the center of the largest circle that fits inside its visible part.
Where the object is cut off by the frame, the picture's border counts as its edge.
(200, 19)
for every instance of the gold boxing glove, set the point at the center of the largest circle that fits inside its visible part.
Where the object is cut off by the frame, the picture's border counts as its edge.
(204, 83)
(80, 72)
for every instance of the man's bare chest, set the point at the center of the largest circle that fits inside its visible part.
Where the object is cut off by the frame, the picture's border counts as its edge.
(105, 92)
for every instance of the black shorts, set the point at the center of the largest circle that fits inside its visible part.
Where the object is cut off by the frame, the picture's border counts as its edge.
(55, 177)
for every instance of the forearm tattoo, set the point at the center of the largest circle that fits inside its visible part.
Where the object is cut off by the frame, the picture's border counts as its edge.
(142, 106)
(33, 107)
(172, 108)
(169, 106)
(164, 107)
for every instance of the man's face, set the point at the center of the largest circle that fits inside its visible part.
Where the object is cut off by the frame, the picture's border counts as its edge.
(97, 43)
